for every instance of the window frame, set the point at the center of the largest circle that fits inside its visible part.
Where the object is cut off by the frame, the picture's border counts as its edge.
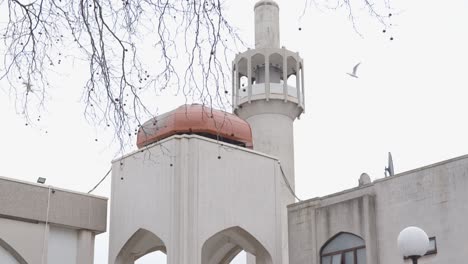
(432, 251)
(341, 252)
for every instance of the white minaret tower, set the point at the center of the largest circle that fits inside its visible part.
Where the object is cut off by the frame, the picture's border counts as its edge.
(268, 92)
(268, 88)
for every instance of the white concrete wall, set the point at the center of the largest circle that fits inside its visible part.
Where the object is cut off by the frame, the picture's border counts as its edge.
(62, 246)
(23, 237)
(67, 208)
(433, 198)
(73, 220)
(198, 196)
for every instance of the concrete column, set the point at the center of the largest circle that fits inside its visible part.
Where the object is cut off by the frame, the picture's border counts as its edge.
(249, 76)
(267, 76)
(267, 34)
(237, 88)
(234, 91)
(272, 130)
(370, 232)
(273, 134)
(85, 247)
(302, 84)
(298, 85)
(285, 75)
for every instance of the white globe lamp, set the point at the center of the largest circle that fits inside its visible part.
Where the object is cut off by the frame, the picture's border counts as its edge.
(413, 243)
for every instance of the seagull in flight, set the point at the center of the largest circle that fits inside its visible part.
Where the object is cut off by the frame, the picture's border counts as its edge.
(354, 71)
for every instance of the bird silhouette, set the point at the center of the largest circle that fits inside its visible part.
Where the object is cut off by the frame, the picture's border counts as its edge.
(354, 71)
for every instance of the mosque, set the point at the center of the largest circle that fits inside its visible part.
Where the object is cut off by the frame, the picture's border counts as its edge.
(205, 184)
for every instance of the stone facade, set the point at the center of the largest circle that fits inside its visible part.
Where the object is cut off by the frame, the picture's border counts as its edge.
(197, 200)
(433, 198)
(45, 224)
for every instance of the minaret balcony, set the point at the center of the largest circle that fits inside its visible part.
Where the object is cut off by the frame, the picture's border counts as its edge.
(283, 79)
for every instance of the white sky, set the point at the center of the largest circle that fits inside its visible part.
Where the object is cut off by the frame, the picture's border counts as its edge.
(411, 99)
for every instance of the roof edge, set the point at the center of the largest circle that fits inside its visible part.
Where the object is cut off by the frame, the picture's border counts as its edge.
(192, 136)
(376, 181)
(52, 187)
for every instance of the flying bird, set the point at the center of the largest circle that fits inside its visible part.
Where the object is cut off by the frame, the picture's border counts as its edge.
(354, 71)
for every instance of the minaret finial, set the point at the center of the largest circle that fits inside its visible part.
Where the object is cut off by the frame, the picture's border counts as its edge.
(267, 34)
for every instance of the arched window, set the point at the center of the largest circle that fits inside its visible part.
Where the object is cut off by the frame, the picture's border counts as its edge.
(344, 248)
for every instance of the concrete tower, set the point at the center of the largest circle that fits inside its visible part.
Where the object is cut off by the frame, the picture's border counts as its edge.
(196, 191)
(268, 88)
(268, 92)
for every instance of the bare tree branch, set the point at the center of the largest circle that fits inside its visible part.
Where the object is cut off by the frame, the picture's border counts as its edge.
(191, 39)
(109, 35)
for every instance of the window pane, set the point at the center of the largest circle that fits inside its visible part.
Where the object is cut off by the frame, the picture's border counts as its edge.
(361, 256)
(326, 260)
(342, 242)
(336, 259)
(349, 257)
(432, 244)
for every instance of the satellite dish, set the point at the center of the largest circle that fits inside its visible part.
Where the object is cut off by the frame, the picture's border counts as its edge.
(389, 171)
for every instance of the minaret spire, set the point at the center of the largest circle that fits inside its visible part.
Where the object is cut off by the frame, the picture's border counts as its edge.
(267, 33)
(268, 93)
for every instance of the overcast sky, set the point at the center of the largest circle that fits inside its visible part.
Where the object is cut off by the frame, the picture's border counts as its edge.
(411, 99)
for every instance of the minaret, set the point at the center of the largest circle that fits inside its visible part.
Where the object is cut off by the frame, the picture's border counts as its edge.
(262, 93)
(266, 95)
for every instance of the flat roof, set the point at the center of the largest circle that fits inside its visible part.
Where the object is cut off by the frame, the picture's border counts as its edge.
(401, 174)
(46, 186)
(32, 202)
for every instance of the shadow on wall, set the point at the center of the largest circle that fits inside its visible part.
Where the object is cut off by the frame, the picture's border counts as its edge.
(8, 255)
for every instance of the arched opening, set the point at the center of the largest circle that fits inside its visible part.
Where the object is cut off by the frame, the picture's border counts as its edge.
(242, 80)
(292, 72)
(152, 258)
(344, 248)
(241, 258)
(258, 68)
(224, 246)
(276, 68)
(141, 244)
(8, 255)
(292, 80)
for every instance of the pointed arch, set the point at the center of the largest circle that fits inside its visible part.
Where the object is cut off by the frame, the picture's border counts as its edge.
(343, 248)
(292, 66)
(223, 246)
(10, 250)
(276, 60)
(258, 68)
(142, 242)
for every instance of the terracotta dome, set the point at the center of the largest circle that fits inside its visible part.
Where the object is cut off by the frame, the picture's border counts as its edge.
(196, 119)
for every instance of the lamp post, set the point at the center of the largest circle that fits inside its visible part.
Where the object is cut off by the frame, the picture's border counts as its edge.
(413, 243)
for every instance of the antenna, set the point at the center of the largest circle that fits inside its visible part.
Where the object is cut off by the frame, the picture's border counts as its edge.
(390, 170)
